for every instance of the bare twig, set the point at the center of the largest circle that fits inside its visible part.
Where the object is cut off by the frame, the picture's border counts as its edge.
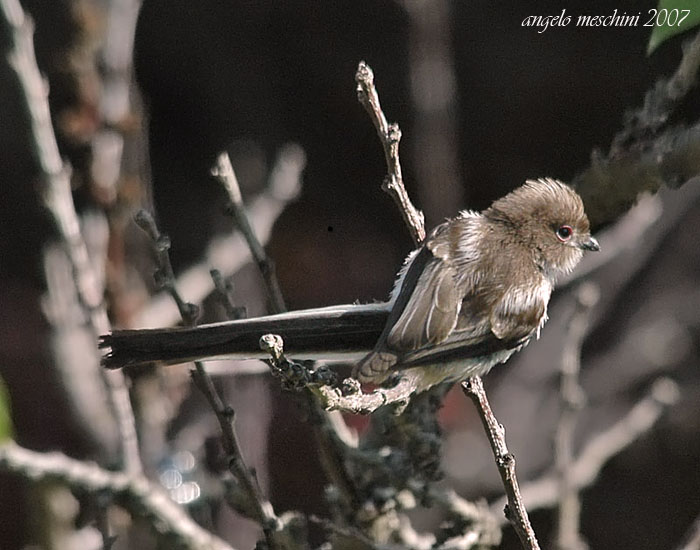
(331, 446)
(56, 193)
(262, 511)
(139, 496)
(544, 492)
(225, 174)
(348, 398)
(224, 291)
(230, 253)
(389, 135)
(259, 509)
(164, 275)
(515, 509)
(572, 400)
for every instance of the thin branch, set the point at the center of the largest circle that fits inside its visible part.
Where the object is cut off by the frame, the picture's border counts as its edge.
(322, 382)
(389, 135)
(544, 493)
(331, 446)
(261, 508)
(231, 253)
(224, 293)
(58, 199)
(572, 400)
(515, 509)
(225, 174)
(255, 505)
(139, 496)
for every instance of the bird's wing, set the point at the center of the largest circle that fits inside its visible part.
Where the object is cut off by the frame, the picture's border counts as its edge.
(431, 309)
(424, 312)
(513, 320)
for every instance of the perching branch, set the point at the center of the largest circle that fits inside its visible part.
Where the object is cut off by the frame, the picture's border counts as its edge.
(56, 193)
(139, 496)
(351, 398)
(322, 383)
(225, 174)
(389, 135)
(515, 509)
(572, 400)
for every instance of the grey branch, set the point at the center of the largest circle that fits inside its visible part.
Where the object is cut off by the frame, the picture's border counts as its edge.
(544, 492)
(57, 196)
(572, 400)
(389, 135)
(139, 496)
(225, 174)
(515, 509)
(347, 398)
(253, 504)
(331, 447)
(228, 254)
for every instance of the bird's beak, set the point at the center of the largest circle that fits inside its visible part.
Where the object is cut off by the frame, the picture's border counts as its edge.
(591, 244)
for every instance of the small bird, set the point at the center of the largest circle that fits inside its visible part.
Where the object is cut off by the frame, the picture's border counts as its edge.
(475, 292)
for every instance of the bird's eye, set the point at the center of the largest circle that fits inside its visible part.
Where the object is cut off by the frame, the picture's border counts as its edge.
(564, 233)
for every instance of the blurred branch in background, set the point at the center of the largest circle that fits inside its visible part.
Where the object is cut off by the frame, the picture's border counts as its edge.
(692, 539)
(585, 468)
(377, 482)
(230, 253)
(245, 495)
(139, 496)
(573, 399)
(57, 197)
(433, 86)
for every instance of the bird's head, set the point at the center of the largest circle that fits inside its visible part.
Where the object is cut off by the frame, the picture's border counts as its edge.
(547, 217)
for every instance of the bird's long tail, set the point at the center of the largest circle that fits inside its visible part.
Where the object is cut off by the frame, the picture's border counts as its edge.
(313, 333)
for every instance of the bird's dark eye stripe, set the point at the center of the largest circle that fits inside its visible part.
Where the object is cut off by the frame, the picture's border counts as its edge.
(564, 232)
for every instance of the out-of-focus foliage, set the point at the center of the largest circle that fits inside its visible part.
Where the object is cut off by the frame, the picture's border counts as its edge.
(5, 418)
(678, 17)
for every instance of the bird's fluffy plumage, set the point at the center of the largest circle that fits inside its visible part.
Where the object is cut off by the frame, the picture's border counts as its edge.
(478, 288)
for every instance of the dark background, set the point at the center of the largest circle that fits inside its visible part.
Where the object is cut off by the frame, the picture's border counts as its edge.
(251, 76)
